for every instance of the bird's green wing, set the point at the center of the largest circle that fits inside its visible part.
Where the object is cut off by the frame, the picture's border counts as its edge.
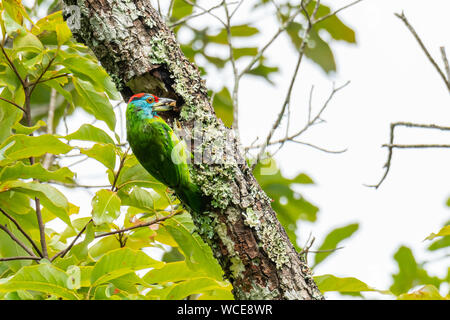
(163, 154)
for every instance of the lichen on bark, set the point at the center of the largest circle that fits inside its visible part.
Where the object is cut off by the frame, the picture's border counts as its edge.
(141, 54)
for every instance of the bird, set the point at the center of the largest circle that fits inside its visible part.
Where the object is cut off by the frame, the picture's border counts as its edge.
(159, 150)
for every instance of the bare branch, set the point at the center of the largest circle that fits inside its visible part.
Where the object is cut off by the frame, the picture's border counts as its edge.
(22, 231)
(335, 12)
(20, 258)
(391, 146)
(195, 15)
(311, 121)
(235, 72)
(41, 227)
(287, 100)
(13, 67)
(146, 224)
(318, 148)
(15, 239)
(424, 49)
(62, 253)
(13, 103)
(207, 11)
(446, 64)
(416, 146)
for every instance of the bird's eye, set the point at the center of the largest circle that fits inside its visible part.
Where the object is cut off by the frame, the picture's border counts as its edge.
(150, 100)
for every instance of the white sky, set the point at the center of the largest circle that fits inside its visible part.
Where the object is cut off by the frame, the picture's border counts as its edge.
(391, 80)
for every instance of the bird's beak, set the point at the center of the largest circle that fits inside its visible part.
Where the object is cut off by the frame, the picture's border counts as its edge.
(164, 104)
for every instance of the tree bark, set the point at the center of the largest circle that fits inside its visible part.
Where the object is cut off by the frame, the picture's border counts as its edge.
(140, 53)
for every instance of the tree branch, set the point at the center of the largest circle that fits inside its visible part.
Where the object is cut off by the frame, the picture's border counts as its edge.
(22, 231)
(15, 239)
(391, 144)
(424, 49)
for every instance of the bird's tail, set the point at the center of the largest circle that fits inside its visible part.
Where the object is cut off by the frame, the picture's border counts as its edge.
(191, 195)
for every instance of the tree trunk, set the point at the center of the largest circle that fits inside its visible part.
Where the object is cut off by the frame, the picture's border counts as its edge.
(140, 53)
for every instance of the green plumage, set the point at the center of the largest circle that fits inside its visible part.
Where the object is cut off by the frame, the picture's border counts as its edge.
(161, 152)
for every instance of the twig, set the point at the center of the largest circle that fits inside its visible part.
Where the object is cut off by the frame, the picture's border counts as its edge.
(34, 84)
(146, 224)
(207, 11)
(41, 227)
(13, 103)
(287, 100)
(416, 146)
(311, 122)
(235, 93)
(51, 78)
(116, 176)
(62, 253)
(318, 148)
(77, 185)
(48, 158)
(424, 49)
(195, 15)
(13, 67)
(335, 12)
(446, 64)
(15, 239)
(22, 231)
(20, 258)
(391, 144)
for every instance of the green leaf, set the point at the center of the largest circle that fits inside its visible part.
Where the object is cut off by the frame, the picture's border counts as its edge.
(172, 272)
(181, 290)
(120, 262)
(21, 146)
(262, 70)
(243, 30)
(96, 103)
(105, 206)
(36, 171)
(11, 26)
(181, 9)
(10, 248)
(63, 33)
(52, 29)
(104, 153)
(80, 250)
(333, 239)
(88, 132)
(287, 203)
(138, 198)
(329, 282)
(333, 25)
(223, 106)
(316, 49)
(15, 202)
(410, 273)
(9, 115)
(428, 292)
(86, 69)
(445, 231)
(244, 52)
(50, 197)
(43, 278)
(21, 129)
(133, 173)
(198, 254)
(74, 279)
(27, 42)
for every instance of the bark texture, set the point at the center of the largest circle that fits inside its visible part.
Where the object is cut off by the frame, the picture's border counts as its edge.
(141, 54)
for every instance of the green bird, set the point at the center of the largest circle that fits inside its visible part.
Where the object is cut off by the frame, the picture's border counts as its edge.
(158, 149)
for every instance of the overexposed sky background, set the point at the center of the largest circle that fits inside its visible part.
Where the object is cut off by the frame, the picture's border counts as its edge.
(391, 80)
